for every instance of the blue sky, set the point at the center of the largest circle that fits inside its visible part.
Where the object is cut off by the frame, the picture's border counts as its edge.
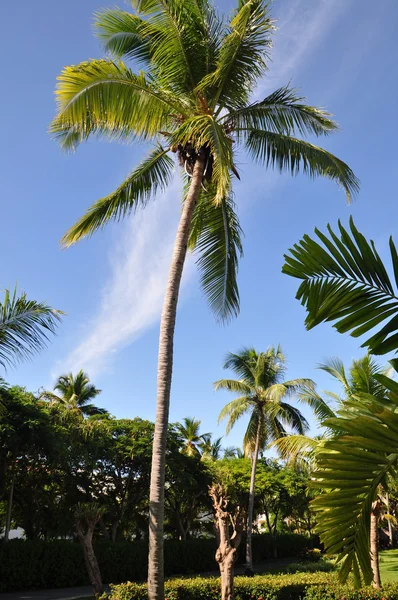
(341, 54)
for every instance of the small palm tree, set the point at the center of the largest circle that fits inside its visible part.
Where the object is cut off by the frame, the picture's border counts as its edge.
(75, 392)
(25, 326)
(233, 452)
(211, 450)
(192, 97)
(262, 390)
(189, 432)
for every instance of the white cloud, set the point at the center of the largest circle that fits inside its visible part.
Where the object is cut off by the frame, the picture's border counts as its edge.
(132, 297)
(301, 25)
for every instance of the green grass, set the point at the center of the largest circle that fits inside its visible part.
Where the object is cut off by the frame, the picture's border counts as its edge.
(389, 566)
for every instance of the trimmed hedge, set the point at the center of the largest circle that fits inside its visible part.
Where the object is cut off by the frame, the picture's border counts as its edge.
(28, 565)
(315, 586)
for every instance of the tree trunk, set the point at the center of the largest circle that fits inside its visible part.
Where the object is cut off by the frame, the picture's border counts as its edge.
(374, 543)
(250, 509)
(9, 510)
(390, 532)
(90, 559)
(165, 366)
(227, 551)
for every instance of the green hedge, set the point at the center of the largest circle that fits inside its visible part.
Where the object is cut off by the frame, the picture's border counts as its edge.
(315, 586)
(28, 565)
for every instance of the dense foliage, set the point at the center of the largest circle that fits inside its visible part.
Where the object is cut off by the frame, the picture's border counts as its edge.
(59, 563)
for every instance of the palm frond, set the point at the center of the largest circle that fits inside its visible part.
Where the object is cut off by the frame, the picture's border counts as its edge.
(106, 98)
(25, 327)
(153, 174)
(233, 385)
(234, 410)
(295, 448)
(241, 56)
(309, 396)
(243, 363)
(283, 112)
(293, 155)
(350, 466)
(121, 34)
(216, 237)
(345, 281)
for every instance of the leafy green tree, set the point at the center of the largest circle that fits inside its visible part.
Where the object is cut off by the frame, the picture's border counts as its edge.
(25, 326)
(75, 393)
(191, 97)
(345, 281)
(262, 390)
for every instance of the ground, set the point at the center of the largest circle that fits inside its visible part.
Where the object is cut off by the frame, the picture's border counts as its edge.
(389, 565)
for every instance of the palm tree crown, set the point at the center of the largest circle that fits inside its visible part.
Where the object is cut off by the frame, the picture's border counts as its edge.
(262, 389)
(75, 392)
(189, 432)
(192, 97)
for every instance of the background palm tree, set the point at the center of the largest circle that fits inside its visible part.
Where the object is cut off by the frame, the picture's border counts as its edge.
(262, 391)
(25, 326)
(75, 392)
(189, 432)
(211, 449)
(191, 97)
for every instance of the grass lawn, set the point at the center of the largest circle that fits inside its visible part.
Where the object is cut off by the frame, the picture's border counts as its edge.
(389, 565)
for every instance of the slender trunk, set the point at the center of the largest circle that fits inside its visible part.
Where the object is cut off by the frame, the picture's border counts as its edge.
(165, 366)
(250, 509)
(9, 510)
(374, 544)
(91, 561)
(390, 532)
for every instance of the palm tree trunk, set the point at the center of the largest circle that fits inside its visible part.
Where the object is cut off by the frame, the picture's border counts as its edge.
(374, 544)
(165, 366)
(9, 510)
(250, 509)
(390, 531)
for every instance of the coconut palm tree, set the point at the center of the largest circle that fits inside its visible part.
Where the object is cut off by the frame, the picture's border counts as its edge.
(25, 326)
(189, 432)
(262, 390)
(191, 97)
(75, 392)
(211, 450)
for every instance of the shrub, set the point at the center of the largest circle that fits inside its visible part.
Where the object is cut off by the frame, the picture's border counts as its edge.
(314, 586)
(39, 564)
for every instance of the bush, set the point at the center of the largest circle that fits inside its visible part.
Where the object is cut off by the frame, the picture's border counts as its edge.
(259, 587)
(314, 586)
(29, 565)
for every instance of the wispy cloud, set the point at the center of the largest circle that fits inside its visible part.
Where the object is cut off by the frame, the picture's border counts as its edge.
(302, 25)
(132, 296)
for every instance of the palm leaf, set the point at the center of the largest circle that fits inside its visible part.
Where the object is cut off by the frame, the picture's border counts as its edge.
(293, 155)
(216, 237)
(107, 98)
(345, 281)
(121, 34)
(234, 410)
(152, 174)
(350, 466)
(280, 112)
(241, 57)
(25, 326)
(299, 449)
